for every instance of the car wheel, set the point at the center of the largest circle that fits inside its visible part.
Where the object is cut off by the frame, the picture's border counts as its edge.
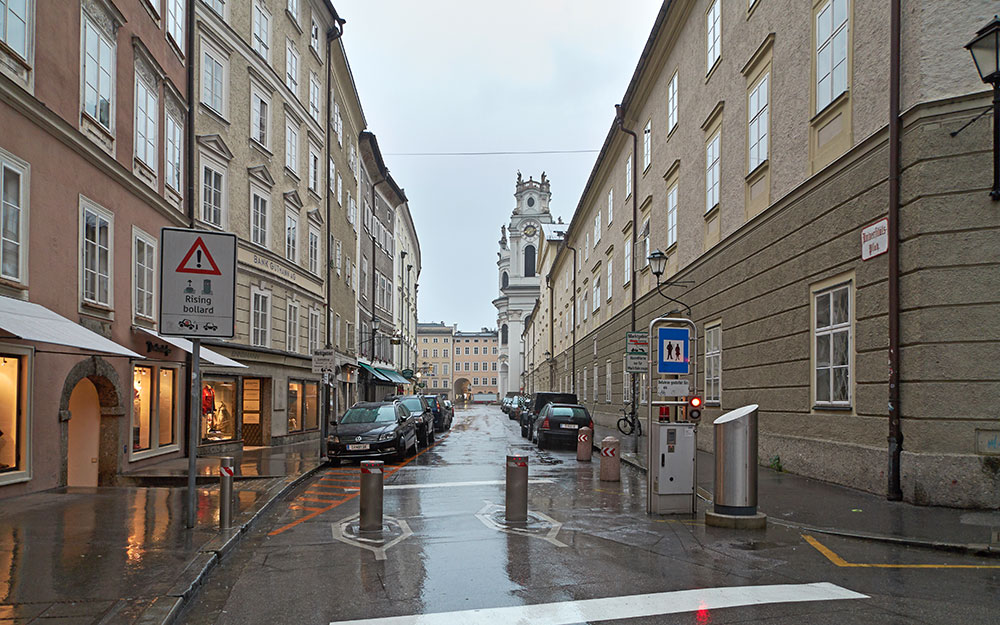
(334, 462)
(430, 434)
(540, 440)
(422, 437)
(524, 432)
(400, 454)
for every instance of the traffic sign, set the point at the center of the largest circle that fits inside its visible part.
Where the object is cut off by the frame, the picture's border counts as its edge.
(673, 345)
(636, 362)
(323, 360)
(672, 388)
(637, 341)
(197, 283)
(875, 239)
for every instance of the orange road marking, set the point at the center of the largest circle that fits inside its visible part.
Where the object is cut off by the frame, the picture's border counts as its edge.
(834, 558)
(313, 499)
(297, 507)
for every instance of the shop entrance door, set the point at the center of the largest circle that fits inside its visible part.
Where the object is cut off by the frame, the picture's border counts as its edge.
(252, 431)
(84, 435)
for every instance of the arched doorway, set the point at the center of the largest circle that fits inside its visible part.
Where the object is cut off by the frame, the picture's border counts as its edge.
(92, 397)
(84, 435)
(463, 389)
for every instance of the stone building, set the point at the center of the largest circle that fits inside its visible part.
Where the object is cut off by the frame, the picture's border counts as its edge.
(760, 149)
(407, 273)
(476, 358)
(435, 355)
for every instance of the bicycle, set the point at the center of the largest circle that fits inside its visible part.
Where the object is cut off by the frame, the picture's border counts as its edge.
(629, 422)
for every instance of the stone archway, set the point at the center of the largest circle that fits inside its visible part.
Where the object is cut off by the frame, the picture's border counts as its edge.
(109, 395)
(463, 389)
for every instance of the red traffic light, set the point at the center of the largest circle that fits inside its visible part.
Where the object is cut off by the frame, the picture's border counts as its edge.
(695, 402)
(694, 408)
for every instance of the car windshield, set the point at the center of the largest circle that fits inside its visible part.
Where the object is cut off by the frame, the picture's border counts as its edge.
(413, 403)
(567, 411)
(370, 414)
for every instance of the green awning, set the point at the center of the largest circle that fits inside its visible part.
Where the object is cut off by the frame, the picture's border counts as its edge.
(393, 375)
(374, 372)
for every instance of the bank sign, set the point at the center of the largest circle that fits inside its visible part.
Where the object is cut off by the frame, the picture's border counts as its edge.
(197, 283)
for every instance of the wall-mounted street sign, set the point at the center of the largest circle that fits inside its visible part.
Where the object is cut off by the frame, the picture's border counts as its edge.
(673, 345)
(875, 239)
(323, 360)
(637, 341)
(636, 352)
(197, 283)
(672, 388)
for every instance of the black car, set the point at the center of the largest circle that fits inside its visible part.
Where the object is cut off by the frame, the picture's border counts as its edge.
(517, 405)
(538, 401)
(372, 430)
(442, 417)
(508, 401)
(422, 412)
(560, 423)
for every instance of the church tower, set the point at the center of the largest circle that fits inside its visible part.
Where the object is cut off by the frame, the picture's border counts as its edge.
(518, 279)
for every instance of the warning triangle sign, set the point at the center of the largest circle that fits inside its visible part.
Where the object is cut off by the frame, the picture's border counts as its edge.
(198, 260)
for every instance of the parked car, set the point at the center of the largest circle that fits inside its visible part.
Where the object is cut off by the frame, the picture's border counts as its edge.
(505, 404)
(538, 401)
(442, 418)
(372, 430)
(517, 404)
(450, 407)
(422, 412)
(560, 423)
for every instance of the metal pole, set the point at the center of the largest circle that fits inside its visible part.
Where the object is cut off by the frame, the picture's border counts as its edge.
(194, 428)
(371, 496)
(226, 492)
(995, 193)
(516, 500)
(895, 439)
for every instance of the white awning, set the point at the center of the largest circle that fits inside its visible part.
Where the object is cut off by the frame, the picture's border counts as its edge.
(207, 355)
(33, 322)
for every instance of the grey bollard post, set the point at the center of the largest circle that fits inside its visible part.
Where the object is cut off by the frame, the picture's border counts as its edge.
(517, 489)
(736, 462)
(226, 472)
(584, 445)
(611, 463)
(371, 496)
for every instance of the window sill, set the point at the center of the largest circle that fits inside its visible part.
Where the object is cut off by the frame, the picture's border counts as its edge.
(213, 113)
(315, 54)
(293, 20)
(831, 408)
(712, 212)
(152, 453)
(757, 171)
(711, 70)
(831, 107)
(15, 56)
(291, 173)
(260, 147)
(15, 477)
(175, 47)
(98, 311)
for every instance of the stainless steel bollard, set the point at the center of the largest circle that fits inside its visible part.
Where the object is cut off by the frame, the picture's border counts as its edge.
(736, 462)
(517, 489)
(584, 445)
(611, 462)
(371, 496)
(226, 472)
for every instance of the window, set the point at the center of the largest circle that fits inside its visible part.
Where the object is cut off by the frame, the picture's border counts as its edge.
(175, 144)
(475, 350)
(672, 103)
(259, 118)
(213, 80)
(493, 381)
(313, 330)
(444, 367)
(626, 381)
(832, 332)
(597, 294)
(14, 25)
(261, 29)
(831, 52)
(672, 216)
(712, 172)
(647, 153)
(628, 176)
(644, 242)
(597, 227)
(583, 304)
(154, 418)
(146, 113)
(314, 35)
(314, 95)
(292, 327)
(291, 147)
(291, 67)
(611, 205)
(258, 217)
(218, 6)
(609, 282)
(314, 168)
(303, 405)
(364, 277)
(425, 353)
(212, 189)
(714, 33)
(475, 381)
(314, 251)
(607, 382)
(293, 9)
(13, 191)
(291, 236)
(627, 269)
(340, 196)
(757, 123)
(339, 257)
(143, 280)
(475, 366)
(529, 261)
(97, 235)
(713, 364)
(98, 69)
(175, 22)
(597, 380)
(583, 396)
(466, 351)
(642, 388)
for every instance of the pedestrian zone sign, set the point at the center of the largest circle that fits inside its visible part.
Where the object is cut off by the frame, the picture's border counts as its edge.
(672, 350)
(197, 283)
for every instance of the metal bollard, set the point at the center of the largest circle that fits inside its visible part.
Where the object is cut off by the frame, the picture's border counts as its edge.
(736, 462)
(517, 489)
(584, 447)
(226, 473)
(611, 463)
(371, 496)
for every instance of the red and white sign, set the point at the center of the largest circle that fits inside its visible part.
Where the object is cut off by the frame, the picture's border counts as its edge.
(608, 452)
(197, 283)
(226, 472)
(199, 260)
(583, 438)
(875, 239)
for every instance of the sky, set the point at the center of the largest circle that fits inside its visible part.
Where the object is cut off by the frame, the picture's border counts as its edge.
(483, 76)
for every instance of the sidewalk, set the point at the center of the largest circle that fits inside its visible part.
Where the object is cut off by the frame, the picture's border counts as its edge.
(818, 506)
(122, 554)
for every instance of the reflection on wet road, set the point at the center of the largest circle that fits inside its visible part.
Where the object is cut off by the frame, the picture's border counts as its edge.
(617, 563)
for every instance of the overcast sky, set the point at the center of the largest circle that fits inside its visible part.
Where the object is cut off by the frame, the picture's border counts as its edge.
(480, 76)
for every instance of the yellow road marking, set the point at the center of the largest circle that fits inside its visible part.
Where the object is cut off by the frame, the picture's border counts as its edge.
(833, 557)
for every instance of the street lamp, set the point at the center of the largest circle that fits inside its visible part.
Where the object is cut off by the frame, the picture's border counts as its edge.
(985, 50)
(658, 264)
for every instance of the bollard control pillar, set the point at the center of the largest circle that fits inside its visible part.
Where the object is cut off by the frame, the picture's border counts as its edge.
(371, 496)
(611, 462)
(584, 444)
(735, 497)
(226, 472)
(517, 489)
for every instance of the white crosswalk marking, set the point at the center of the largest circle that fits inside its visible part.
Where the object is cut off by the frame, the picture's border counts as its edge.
(632, 606)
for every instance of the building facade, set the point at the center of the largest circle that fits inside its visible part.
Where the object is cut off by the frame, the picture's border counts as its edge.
(760, 151)
(476, 359)
(435, 354)
(407, 276)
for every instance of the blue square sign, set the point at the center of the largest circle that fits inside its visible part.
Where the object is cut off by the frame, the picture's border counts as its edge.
(672, 347)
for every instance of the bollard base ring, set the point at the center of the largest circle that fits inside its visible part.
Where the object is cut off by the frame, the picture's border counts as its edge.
(739, 522)
(734, 510)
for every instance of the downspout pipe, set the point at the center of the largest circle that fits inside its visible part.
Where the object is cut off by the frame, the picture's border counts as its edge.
(552, 334)
(620, 120)
(573, 373)
(894, 490)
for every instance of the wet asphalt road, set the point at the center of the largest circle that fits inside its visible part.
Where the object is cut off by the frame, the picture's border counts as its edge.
(293, 569)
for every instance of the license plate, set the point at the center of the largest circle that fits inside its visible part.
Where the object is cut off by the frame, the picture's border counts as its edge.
(362, 447)
(569, 426)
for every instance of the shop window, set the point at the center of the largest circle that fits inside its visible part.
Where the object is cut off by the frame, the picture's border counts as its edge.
(303, 406)
(154, 393)
(11, 419)
(218, 410)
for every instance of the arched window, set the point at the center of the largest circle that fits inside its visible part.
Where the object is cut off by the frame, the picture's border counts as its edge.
(504, 280)
(503, 334)
(529, 261)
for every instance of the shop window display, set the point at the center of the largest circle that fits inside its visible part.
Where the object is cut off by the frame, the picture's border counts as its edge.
(153, 401)
(295, 406)
(218, 410)
(303, 406)
(10, 426)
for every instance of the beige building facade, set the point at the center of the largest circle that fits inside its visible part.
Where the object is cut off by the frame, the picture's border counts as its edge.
(435, 355)
(476, 359)
(761, 152)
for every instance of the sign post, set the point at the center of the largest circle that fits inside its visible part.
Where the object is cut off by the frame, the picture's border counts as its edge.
(197, 299)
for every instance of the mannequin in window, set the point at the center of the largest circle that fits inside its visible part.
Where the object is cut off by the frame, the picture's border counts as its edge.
(3, 446)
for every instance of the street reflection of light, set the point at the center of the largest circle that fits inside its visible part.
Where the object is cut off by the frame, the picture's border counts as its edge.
(137, 528)
(703, 615)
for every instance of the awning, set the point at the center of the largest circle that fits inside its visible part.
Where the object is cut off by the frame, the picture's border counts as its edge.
(393, 375)
(33, 322)
(207, 355)
(375, 373)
